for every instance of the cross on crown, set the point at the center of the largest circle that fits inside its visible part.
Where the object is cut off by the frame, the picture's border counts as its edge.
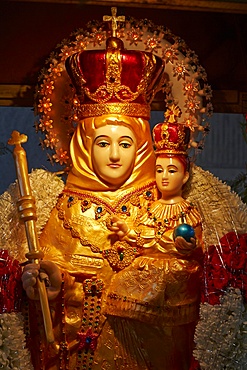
(114, 19)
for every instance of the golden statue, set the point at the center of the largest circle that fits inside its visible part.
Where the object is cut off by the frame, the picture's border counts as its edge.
(121, 291)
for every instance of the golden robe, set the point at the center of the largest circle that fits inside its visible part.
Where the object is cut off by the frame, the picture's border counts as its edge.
(139, 310)
(94, 263)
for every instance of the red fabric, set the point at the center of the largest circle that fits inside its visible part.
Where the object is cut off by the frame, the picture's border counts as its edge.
(10, 283)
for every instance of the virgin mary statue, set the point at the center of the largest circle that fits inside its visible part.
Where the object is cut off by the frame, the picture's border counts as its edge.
(93, 102)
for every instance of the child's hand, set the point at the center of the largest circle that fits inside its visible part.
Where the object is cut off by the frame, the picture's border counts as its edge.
(118, 226)
(183, 246)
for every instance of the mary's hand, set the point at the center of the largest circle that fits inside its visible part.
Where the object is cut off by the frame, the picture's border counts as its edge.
(183, 246)
(45, 270)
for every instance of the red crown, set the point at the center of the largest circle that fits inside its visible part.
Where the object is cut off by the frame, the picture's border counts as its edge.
(115, 80)
(171, 138)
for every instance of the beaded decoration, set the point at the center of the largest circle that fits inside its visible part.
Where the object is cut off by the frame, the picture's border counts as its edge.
(88, 334)
(163, 217)
(120, 207)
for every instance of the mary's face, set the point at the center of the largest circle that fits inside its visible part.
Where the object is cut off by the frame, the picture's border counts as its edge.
(113, 154)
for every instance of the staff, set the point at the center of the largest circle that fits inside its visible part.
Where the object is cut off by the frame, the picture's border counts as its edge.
(27, 212)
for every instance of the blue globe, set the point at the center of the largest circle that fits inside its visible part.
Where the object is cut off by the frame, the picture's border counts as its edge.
(184, 230)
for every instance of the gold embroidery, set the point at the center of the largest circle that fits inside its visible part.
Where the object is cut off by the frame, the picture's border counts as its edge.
(147, 192)
(88, 335)
(162, 216)
(120, 255)
(125, 109)
(79, 260)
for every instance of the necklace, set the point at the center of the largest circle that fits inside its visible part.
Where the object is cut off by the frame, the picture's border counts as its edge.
(121, 206)
(162, 217)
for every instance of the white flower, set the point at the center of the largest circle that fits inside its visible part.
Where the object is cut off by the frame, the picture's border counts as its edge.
(13, 352)
(221, 334)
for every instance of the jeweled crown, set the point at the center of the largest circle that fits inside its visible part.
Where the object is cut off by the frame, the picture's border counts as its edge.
(183, 81)
(171, 137)
(115, 80)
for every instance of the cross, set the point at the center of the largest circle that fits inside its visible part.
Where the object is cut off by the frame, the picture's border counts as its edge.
(17, 138)
(114, 19)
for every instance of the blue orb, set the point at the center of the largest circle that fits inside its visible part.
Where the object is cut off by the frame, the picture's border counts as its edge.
(184, 230)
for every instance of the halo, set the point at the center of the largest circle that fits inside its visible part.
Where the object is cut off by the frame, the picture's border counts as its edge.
(185, 85)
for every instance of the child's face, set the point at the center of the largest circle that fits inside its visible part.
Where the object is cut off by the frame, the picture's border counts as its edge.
(170, 176)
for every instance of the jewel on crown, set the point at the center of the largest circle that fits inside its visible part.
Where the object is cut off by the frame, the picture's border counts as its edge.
(171, 137)
(115, 80)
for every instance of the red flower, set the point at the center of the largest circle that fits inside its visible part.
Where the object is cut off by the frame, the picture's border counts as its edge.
(238, 260)
(230, 239)
(243, 242)
(220, 278)
(87, 340)
(214, 257)
(225, 265)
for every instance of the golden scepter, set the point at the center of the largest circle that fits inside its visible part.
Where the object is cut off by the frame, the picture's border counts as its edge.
(27, 213)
